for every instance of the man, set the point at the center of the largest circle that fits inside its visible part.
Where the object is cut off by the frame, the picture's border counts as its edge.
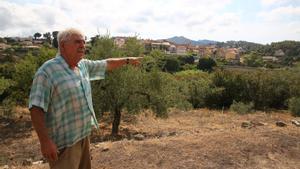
(61, 103)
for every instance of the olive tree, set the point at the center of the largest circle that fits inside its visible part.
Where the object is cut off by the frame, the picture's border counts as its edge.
(130, 88)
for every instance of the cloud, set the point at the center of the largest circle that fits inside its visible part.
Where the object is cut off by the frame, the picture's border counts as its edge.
(278, 2)
(136, 14)
(155, 19)
(5, 19)
(20, 20)
(281, 14)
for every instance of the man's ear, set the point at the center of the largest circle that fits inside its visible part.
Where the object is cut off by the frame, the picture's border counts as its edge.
(62, 46)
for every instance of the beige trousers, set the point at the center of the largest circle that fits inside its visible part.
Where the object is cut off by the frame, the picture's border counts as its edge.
(75, 157)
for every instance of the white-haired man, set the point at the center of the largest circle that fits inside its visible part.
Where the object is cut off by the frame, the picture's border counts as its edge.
(61, 103)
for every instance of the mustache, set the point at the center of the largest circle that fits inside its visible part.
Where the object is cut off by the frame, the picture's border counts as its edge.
(81, 50)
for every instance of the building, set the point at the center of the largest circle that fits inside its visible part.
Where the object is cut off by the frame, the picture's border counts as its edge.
(119, 41)
(270, 59)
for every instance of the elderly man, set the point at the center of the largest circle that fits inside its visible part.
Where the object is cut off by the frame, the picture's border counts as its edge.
(61, 103)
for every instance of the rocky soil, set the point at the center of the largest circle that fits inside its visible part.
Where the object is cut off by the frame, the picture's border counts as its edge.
(186, 140)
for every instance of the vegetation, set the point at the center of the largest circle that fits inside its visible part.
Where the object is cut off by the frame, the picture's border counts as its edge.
(206, 64)
(164, 81)
(242, 108)
(294, 106)
(16, 78)
(253, 59)
(132, 88)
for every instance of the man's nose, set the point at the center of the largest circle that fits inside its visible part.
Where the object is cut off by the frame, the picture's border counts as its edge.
(82, 45)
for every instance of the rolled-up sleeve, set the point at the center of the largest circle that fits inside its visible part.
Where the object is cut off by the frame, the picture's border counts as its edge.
(96, 69)
(40, 92)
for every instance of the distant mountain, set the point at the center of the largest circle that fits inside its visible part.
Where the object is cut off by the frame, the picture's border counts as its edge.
(183, 40)
(247, 46)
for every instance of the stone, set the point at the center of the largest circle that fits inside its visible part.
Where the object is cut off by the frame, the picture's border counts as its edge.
(27, 162)
(139, 137)
(163, 134)
(38, 162)
(296, 123)
(246, 124)
(259, 124)
(173, 133)
(280, 124)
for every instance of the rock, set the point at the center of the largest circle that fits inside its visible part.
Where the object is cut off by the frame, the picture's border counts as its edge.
(260, 124)
(27, 162)
(5, 167)
(246, 124)
(38, 162)
(103, 147)
(271, 156)
(296, 123)
(173, 133)
(280, 124)
(163, 134)
(139, 137)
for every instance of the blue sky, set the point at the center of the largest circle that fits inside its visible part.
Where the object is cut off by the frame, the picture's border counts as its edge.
(261, 21)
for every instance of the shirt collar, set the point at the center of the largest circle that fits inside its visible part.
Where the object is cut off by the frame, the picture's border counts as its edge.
(64, 63)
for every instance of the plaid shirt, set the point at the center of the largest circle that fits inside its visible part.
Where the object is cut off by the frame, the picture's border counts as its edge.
(66, 99)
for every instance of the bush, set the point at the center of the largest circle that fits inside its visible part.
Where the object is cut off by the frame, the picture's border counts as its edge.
(196, 86)
(171, 64)
(234, 87)
(206, 64)
(242, 108)
(294, 106)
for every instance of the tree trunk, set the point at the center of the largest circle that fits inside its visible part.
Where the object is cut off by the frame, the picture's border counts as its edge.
(116, 122)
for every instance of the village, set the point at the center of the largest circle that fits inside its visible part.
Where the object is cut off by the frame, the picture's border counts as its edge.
(14, 47)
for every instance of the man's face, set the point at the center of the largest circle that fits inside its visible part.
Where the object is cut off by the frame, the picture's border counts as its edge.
(73, 49)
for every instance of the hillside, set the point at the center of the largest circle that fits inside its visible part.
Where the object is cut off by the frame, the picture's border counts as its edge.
(183, 40)
(186, 140)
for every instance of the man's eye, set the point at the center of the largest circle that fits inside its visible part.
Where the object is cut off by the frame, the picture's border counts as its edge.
(79, 41)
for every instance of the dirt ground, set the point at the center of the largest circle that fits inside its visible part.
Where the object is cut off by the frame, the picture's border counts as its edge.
(186, 140)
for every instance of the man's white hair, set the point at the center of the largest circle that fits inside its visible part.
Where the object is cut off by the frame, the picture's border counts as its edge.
(65, 35)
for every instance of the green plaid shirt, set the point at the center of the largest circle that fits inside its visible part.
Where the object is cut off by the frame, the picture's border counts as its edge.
(66, 98)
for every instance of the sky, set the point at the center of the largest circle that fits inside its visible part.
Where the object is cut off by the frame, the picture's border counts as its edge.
(259, 21)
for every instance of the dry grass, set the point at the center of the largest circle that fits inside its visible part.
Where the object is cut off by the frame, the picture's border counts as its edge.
(194, 139)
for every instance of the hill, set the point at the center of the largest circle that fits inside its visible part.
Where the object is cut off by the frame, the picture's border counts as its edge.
(184, 40)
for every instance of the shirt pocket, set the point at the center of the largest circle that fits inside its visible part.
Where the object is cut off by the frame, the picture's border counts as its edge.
(70, 88)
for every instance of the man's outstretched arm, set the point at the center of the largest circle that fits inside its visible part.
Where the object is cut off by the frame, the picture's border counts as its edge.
(113, 63)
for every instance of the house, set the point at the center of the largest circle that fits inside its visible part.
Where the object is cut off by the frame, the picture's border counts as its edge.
(161, 45)
(26, 43)
(279, 53)
(3, 46)
(38, 41)
(119, 41)
(181, 49)
(201, 51)
(172, 49)
(221, 53)
(232, 55)
(270, 59)
(193, 49)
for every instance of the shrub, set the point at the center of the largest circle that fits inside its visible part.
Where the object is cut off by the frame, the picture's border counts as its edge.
(242, 108)
(206, 64)
(294, 106)
(233, 85)
(171, 64)
(196, 86)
